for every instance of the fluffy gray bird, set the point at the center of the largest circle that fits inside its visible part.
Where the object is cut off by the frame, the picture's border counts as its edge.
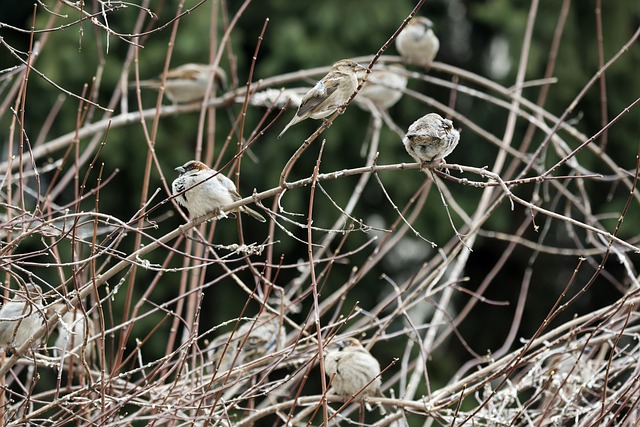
(209, 196)
(430, 138)
(417, 43)
(329, 93)
(384, 86)
(265, 335)
(352, 367)
(73, 328)
(20, 318)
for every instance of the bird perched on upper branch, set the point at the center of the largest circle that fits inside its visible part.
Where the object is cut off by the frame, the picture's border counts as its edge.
(331, 92)
(417, 43)
(188, 82)
(384, 87)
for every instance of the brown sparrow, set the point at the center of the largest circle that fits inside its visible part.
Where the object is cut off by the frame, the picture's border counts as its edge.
(20, 318)
(417, 42)
(73, 327)
(430, 138)
(188, 82)
(352, 368)
(384, 86)
(207, 190)
(266, 335)
(328, 94)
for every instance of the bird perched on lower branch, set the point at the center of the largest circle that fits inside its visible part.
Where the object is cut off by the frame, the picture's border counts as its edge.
(431, 138)
(354, 371)
(73, 329)
(20, 318)
(254, 339)
(203, 190)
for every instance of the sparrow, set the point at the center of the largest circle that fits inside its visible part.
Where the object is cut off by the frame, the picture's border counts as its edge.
(266, 335)
(253, 339)
(73, 327)
(211, 195)
(329, 93)
(384, 87)
(20, 318)
(430, 138)
(417, 42)
(188, 82)
(352, 367)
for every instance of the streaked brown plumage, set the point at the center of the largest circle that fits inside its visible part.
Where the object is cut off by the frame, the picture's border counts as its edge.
(263, 336)
(332, 91)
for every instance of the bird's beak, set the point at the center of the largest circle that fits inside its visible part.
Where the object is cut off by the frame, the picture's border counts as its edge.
(362, 68)
(180, 169)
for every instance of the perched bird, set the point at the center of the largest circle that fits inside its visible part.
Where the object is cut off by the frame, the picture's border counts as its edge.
(430, 138)
(73, 328)
(329, 93)
(211, 195)
(253, 340)
(352, 368)
(265, 336)
(20, 318)
(384, 86)
(417, 42)
(188, 82)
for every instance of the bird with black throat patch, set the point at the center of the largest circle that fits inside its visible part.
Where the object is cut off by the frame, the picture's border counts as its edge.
(202, 190)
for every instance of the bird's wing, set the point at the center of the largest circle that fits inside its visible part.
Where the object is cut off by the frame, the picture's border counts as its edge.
(316, 96)
(187, 74)
(154, 84)
(229, 185)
